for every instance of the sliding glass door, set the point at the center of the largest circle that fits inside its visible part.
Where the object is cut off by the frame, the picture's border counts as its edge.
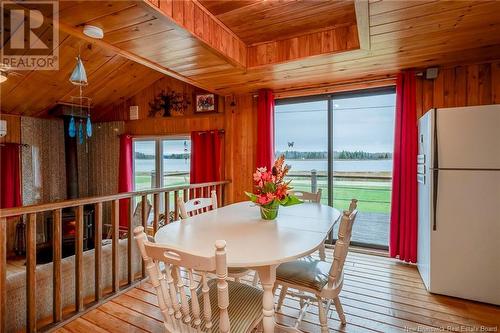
(342, 144)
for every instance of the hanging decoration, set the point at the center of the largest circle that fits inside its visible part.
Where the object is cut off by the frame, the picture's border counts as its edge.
(79, 78)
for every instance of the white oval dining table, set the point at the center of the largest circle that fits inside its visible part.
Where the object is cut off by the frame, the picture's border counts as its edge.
(252, 242)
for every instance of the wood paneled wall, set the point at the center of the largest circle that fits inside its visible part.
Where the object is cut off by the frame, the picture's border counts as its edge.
(13, 128)
(240, 145)
(158, 125)
(465, 85)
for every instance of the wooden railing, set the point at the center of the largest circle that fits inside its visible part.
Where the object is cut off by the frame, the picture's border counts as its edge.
(56, 208)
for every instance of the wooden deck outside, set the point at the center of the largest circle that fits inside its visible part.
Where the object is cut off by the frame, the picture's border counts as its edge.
(370, 228)
(379, 295)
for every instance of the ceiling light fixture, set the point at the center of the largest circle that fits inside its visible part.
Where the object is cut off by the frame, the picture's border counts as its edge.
(3, 77)
(93, 31)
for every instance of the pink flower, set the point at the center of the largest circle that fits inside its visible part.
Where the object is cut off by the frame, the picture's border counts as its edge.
(263, 200)
(262, 170)
(257, 176)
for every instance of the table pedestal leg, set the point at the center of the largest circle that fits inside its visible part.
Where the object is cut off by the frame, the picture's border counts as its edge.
(267, 275)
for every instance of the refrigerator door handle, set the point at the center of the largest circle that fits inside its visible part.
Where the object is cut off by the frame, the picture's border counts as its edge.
(435, 174)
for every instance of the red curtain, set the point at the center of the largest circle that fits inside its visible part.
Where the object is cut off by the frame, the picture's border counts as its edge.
(265, 129)
(10, 176)
(125, 176)
(205, 157)
(403, 229)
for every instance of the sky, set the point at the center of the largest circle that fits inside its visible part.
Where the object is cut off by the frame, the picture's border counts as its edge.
(360, 123)
(169, 147)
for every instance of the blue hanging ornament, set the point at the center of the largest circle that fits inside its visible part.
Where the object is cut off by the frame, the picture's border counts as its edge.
(80, 133)
(89, 127)
(72, 128)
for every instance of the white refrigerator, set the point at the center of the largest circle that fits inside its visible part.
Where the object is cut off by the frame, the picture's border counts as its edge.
(458, 175)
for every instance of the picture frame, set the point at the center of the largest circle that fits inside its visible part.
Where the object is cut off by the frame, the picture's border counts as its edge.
(205, 103)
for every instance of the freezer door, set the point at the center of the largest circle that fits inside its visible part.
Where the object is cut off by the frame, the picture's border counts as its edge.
(468, 137)
(465, 255)
(424, 181)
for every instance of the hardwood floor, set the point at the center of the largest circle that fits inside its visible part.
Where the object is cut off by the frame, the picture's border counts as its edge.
(379, 295)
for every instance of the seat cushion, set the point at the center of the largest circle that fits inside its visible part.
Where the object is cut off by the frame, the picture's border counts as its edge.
(307, 272)
(237, 270)
(245, 306)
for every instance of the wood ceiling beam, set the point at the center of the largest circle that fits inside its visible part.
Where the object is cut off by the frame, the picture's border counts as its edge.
(194, 18)
(333, 40)
(362, 10)
(131, 56)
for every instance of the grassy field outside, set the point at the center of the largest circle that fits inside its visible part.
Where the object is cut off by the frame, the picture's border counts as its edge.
(374, 196)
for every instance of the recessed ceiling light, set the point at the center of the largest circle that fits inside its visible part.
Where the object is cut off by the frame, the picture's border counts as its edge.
(3, 77)
(93, 31)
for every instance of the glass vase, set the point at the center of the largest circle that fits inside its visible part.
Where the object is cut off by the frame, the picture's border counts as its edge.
(269, 213)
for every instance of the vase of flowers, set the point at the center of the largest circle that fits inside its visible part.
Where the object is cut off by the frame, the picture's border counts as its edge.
(271, 190)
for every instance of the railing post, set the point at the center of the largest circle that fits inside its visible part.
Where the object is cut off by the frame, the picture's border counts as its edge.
(115, 222)
(144, 219)
(130, 274)
(56, 264)
(3, 275)
(156, 211)
(98, 251)
(79, 259)
(31, 271)
(314, 181)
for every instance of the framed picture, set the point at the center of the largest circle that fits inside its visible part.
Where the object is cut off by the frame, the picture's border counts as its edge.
(205, 103)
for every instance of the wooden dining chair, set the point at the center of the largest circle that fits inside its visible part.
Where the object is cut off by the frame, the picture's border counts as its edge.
(195, 303)
(308, 196)
(200, 205)
(321, 279)
(197, 205)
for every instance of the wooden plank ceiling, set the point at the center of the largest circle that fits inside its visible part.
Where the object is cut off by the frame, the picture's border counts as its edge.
(241, 46)
(263, 21)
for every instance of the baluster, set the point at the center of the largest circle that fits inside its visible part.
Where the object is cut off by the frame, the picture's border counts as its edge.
(176, 206)
(79, 259)
(222, 287)
(98, 250)
(167, 207)
(185, 195)
(156, 203)
(195, 305)
(30, 273)
(3, 274)
(56, 264)
(115, 223)
(144, 221)
(130, 231)
(207, 308)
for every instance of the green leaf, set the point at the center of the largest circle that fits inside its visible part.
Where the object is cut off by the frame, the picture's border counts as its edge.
(253, 197)
(269, 187)
(290, 200)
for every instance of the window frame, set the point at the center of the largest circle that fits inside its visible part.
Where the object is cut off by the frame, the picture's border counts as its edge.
(158, 140)
(329, 98)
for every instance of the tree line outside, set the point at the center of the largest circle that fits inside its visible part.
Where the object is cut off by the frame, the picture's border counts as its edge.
(339, 155)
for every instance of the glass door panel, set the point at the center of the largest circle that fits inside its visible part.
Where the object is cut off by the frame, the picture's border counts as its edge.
(363, 140)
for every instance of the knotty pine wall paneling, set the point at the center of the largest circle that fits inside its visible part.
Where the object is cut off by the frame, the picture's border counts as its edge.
(240, 145)
(464, 85)
(13, 128)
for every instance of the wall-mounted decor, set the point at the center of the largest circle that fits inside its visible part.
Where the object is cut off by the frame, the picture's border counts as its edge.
(169, 104)
(205, 103)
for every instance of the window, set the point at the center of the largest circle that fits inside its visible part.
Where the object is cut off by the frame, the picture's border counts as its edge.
(343, 144)
(161, 162)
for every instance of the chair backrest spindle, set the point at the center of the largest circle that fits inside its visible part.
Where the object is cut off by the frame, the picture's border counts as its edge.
(197, 205)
